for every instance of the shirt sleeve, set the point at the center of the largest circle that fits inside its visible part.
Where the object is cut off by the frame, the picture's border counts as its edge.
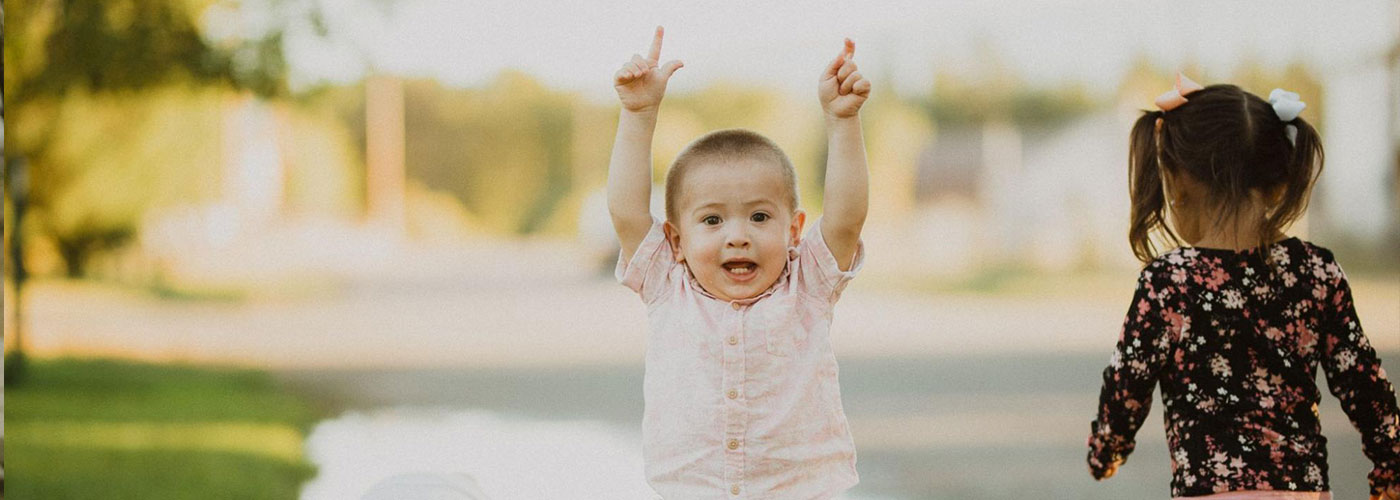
(1131, 376)
(818, 273)
(649, 271)
(1355, 377)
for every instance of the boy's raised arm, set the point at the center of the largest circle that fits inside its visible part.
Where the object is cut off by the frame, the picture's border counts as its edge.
(640, 85)
(842, 90)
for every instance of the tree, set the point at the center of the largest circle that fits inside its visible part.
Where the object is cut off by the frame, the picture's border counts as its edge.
(59, 48)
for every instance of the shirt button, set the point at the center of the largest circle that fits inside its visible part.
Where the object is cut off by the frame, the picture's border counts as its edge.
(733, 394)
(734, 489)
(736, 305)
(733, 340)
(734, 445)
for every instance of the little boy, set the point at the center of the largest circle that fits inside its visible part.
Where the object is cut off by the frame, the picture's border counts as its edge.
(741, 393)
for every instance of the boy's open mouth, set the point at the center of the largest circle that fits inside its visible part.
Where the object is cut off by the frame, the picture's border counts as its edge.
(739, 267)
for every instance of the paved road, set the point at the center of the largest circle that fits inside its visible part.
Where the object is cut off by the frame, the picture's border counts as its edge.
(541, 305)
(949, 395)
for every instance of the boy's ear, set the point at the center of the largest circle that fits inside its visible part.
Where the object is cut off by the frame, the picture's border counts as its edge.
(798, 219)
(673, 238)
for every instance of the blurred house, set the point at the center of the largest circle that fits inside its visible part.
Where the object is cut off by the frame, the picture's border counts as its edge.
(1394, 64)
(1356, 198)
(993, 195)
(997, 195)
(252, 231)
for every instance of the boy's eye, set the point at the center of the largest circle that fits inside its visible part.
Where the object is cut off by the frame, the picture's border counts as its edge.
(759, 217)
(710, 220)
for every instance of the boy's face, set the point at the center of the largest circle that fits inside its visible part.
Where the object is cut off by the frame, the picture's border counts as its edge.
(734, 227)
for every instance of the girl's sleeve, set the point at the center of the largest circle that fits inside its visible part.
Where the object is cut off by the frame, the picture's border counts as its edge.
(1129, 380)
(1355, 377)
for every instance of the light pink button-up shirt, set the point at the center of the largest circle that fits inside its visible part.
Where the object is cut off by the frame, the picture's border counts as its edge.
(741, 397)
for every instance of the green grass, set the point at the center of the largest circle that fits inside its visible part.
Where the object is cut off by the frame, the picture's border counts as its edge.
(117, 429)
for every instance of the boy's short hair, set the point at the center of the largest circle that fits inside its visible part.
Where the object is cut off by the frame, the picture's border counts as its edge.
(722, 145)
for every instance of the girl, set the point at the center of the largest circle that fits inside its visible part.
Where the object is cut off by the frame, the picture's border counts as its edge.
(1234, 325)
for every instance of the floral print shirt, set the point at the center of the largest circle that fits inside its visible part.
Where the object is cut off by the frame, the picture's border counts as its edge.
(1235, 343)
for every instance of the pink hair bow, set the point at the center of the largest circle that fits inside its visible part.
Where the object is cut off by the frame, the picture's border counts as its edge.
(1177, 95)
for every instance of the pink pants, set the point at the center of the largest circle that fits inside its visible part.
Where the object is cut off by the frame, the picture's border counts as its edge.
(1265, 495)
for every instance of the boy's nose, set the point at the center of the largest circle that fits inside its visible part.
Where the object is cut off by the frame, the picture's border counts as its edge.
(736, 238)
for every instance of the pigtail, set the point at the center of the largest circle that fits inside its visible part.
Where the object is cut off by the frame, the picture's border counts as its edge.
(1300, 171)
(1239, 148)
(1145, 186)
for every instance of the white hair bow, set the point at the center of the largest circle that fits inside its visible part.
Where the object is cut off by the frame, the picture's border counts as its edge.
(1287, 107)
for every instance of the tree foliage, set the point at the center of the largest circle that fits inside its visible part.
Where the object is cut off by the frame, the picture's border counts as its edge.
(56, 50)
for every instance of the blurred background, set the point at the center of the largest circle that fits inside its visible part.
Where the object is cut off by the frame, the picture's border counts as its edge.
(293, 248)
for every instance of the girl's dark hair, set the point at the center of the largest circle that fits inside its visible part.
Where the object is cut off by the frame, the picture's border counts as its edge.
(1231, 141)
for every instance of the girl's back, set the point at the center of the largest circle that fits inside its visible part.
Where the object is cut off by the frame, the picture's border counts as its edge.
(1235, 326)
(1235, 343)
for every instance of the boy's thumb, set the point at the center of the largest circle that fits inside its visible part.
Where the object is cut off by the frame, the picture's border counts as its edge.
(671, 67)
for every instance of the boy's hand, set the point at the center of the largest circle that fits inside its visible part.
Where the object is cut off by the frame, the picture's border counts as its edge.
(640, 83)
(846, 189)
(842, 89)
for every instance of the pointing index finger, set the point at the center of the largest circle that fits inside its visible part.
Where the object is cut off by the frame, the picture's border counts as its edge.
(655, 53)
(845, 55)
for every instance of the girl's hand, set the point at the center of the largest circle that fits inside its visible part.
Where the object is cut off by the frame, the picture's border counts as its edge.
(640, 83)
(842, 89)
(1108, 472)
(1391, 493)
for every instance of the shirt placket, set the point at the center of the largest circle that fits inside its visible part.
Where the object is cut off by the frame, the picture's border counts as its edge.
(735, 413)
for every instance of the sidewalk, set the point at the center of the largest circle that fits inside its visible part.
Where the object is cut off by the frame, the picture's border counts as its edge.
(540, 305)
